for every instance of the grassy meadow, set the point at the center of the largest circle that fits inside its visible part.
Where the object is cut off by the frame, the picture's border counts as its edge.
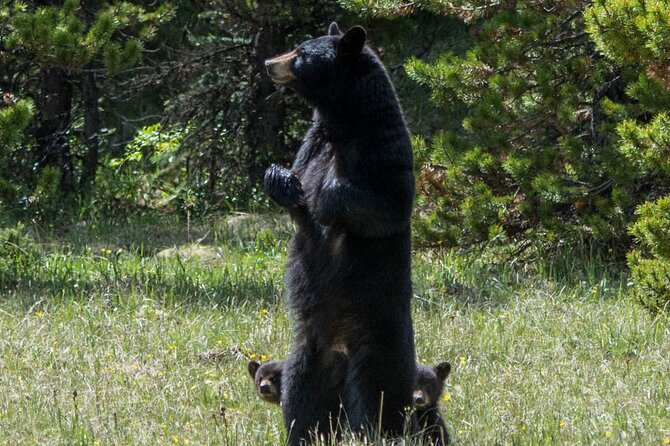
(140, 333)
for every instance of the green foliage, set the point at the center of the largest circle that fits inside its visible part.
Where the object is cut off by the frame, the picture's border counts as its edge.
(149, 173)
(556, 142)
(46, 201)
(650, 263)
(58, 54)
(638, 32)
(13, 120)
(64, 36)
(532, 158)
(647, 146)
(630, 31)
(652, 228)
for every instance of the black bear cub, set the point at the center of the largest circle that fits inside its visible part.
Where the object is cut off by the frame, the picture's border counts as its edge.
(430, 382)
(267, 379)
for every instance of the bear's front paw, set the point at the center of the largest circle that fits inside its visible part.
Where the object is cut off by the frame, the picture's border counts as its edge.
(283, 187)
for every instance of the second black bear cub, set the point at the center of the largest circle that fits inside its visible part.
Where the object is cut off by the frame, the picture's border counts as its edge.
(267, 379)
(430, 382)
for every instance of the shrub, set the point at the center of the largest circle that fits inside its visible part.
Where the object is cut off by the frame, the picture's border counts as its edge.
(650, 263)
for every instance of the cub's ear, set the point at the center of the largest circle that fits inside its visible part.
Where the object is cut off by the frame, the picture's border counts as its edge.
(354, 39)
(442, 370)
(334, 30)
(252, 367)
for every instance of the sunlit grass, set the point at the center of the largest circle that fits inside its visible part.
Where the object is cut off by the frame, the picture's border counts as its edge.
(140, 334)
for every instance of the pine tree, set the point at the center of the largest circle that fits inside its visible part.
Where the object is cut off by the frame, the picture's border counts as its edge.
(537, 156)
(58, 51)
(636, 34)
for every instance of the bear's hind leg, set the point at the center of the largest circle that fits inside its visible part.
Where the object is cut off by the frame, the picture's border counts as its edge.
(378, 391)
(310, 400)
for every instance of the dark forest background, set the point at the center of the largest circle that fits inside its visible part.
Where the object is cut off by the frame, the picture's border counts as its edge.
(538, 125)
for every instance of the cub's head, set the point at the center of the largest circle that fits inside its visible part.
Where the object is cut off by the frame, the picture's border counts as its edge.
(267, 379)
(315, 65)
(429, 385)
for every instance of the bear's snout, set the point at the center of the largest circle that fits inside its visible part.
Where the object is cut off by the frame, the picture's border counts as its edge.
(279, 68)
(419, 399)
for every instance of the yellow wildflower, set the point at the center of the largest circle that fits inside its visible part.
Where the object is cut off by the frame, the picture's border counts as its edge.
(447, 397)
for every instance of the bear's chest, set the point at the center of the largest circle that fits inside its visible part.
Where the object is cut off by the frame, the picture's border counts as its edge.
(329, 163)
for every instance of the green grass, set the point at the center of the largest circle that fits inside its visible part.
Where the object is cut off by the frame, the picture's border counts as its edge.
(140, 334)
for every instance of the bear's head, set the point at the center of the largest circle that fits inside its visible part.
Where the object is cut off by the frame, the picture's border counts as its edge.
(429, 385)
(267, 379)
(315, 66)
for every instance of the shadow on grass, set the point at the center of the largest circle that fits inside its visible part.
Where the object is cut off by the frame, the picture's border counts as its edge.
(232, 261)
(169, 282)
(241, 258)
(147, 235)
(486, 279)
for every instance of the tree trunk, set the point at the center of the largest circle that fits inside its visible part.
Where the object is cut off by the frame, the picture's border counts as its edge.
(90, 95)
(54, 106)
(267, 112)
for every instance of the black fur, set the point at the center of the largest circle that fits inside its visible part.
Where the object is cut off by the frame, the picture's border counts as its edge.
(349, 267)
(283, 186)
(430, 382)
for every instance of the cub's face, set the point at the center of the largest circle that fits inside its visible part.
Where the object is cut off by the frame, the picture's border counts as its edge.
(429, 385)
(267, 379)
(313, 65)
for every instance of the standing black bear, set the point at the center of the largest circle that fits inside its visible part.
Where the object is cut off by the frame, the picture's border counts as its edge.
(350, 190)
(429, 385)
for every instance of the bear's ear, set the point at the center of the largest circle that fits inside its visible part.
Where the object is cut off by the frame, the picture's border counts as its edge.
(252, 368)
(442, 370)
(334, 30)
(354, 39)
